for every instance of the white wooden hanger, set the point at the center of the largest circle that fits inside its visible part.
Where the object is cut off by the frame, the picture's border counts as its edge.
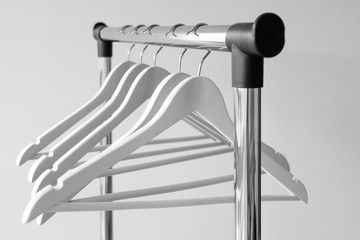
(51, 167)
(47, 161)
(51, 176)
(194, 94)
(220, 113)
(105, 92)
(141, 90)
(147, 82)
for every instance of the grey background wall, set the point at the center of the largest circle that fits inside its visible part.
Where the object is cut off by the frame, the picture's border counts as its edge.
(310, 112)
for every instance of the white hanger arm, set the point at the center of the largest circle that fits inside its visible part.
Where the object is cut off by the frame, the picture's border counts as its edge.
(127, 77)
(284, 178)
(50, 135)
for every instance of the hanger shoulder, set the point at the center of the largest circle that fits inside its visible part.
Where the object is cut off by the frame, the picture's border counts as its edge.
(157, 99)
(215, 109)
(47, 161)
(50, 135)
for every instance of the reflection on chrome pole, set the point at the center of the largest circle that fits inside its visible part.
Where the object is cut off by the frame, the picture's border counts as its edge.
(247, 104)
(106, 217)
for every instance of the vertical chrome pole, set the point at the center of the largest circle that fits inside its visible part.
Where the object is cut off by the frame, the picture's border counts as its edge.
(247, 104)
(104, 48)
(106, 218)
(249, 43)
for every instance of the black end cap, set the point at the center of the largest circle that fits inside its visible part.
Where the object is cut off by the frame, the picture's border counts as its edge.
(104, 47)
(264, 38)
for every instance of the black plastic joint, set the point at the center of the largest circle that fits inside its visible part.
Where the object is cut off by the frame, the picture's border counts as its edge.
(249, 43)
(104, 46)
(247, 71)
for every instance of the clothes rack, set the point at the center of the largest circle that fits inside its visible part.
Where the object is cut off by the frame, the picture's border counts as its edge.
(248, 44)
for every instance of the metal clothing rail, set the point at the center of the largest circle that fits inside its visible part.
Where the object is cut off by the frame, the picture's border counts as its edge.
(248, 43)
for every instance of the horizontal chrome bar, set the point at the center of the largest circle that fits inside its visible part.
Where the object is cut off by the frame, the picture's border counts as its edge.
(264, 37)
(211, 37)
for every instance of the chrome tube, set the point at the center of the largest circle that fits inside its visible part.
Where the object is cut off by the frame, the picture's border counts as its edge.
(106, 218)
(207, 37)
(247, 104)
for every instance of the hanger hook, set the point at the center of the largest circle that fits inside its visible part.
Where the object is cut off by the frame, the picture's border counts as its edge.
(196, 27)
(135, 30)
(172, 30)
(156, 54)
(142, 53)
(129, 51)
(180, 59)
(150, 28)
(202, 61)
(123, 29)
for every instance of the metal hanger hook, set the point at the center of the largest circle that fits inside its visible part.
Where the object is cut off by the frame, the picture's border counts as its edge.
(150, 28)
(129, 51)
(135, 30)
(196, 27)
(172, 30)
(202, 61)
(180, 59)
(156, 54)
(122, 30)
(142, 53)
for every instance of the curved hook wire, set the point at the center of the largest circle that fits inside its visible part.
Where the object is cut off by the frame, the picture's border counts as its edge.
(150, 28)
(157, 52)
(196, 27)
(123, 29)
(172, 30)
(136, 29)
(142, 53)
(129, 51)
(202, 61)
(181, 57)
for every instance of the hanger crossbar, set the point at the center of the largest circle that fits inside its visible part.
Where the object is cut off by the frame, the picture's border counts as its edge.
(101, 148)
(111, 206)
(165, 151)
